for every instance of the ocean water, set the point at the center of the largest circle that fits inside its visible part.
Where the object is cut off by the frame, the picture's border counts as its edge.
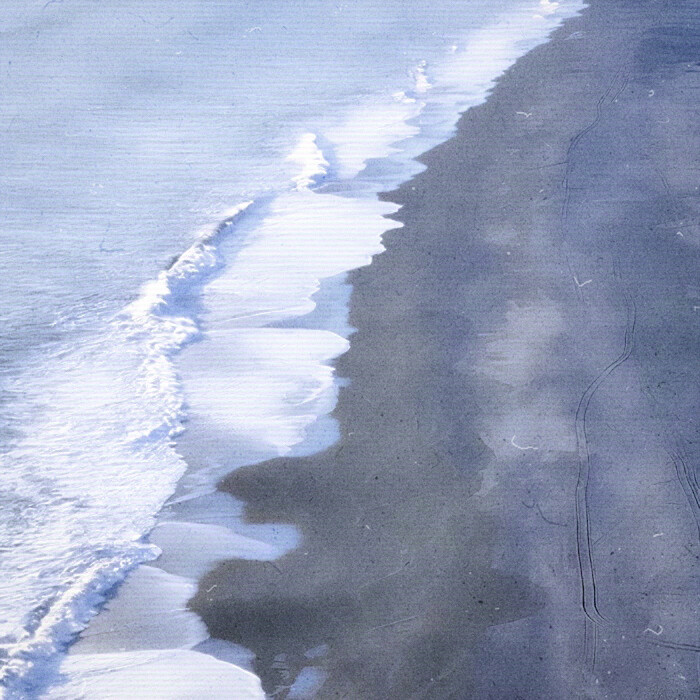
(184, 187)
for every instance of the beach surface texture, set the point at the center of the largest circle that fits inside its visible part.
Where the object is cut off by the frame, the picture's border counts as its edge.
(512, 508)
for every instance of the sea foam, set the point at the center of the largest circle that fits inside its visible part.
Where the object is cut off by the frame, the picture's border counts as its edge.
(130, 407)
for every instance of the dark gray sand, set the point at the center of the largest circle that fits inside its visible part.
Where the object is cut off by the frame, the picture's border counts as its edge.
(512, 510)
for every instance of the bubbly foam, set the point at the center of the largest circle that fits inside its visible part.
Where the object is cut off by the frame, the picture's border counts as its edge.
(120, 395)
(311, 160)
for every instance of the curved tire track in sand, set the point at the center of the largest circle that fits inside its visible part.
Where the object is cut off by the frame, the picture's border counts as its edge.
(589, 593)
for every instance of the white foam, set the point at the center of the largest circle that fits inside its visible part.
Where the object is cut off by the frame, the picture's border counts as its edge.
(149, 612)
(547, 7)
(410, 121)
(96, 466)
(311, 160)
(227, 651)
(172, 674)
(420, 79)
(139, 646)
(65, 616)
(467, 76)
(192, 549)
(305, 237)
(150, 320)
(221, 510)
(277, 381)
(372, 130)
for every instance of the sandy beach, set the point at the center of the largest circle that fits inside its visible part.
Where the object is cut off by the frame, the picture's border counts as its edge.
(512, 510)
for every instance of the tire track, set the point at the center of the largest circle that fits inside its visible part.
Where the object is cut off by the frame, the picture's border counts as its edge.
(575, 140)
(689, 483)
(589, 592)
(573, 144)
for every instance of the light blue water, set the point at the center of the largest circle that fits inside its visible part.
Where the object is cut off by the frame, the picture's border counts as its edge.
(127, 129)
(126, 125)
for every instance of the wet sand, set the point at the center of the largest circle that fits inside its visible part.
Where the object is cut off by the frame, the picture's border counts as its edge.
(512, 510)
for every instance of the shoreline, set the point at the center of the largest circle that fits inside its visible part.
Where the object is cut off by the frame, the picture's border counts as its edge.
(197, 527)
(501, 403)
